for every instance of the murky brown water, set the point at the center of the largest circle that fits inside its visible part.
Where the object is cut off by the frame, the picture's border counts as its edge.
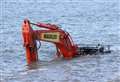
(87, 21)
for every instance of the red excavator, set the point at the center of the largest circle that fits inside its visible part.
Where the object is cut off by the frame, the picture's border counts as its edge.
(64, 44)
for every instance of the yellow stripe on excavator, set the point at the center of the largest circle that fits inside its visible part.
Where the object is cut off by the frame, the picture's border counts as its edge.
(51, 36)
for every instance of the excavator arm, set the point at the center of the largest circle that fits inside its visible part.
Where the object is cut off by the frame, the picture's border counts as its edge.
(53, 34)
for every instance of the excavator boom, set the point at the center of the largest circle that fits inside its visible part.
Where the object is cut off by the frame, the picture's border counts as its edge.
(53, 34)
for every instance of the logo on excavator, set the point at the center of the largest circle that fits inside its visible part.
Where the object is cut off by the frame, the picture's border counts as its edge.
(51, 36)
